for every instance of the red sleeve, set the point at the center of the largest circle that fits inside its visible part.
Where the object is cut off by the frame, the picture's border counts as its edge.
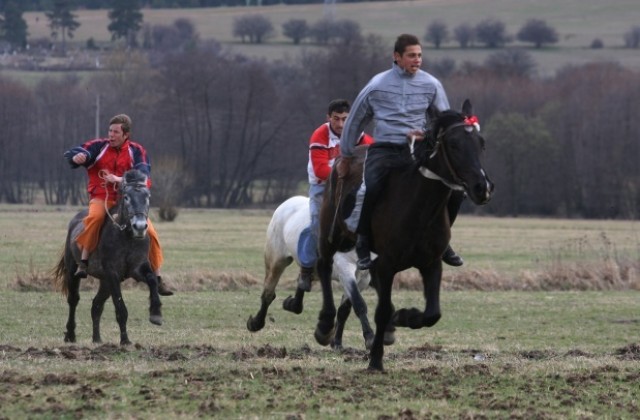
(319, 153)
(320, 162)
(366, 139)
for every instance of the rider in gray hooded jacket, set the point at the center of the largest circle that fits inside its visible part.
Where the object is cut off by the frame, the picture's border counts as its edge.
(396, 101)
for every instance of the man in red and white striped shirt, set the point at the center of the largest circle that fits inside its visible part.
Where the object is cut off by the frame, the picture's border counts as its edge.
(324, 148)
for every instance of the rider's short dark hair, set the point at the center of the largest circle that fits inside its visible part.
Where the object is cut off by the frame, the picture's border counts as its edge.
(338, 106)
(404, 41)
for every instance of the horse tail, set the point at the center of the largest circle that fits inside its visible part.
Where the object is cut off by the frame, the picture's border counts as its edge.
(59, 274)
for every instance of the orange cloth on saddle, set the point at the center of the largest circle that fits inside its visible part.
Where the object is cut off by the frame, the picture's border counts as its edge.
(89, 237)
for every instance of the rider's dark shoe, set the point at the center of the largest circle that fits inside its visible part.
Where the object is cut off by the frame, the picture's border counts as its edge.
(363, 253)
(163, 290)
(81, 271)
(305, 278)
(450, 257)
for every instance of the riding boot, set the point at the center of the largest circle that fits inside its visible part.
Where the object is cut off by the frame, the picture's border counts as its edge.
(450, 257)
(163, 290)
(305, 278)
(363, 252)
(81, 272)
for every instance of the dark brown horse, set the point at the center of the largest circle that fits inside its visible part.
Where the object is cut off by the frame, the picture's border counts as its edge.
(410, 223)
(122, 252)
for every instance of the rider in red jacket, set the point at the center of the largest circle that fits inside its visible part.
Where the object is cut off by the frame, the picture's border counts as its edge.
(106, 161)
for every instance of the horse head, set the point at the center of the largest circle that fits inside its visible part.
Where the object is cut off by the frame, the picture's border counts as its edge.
(133, 209)
(453, 149)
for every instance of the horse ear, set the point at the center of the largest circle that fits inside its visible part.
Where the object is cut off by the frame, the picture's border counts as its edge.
(467, 109)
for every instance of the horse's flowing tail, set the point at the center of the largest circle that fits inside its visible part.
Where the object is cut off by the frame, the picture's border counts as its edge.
(60, 276)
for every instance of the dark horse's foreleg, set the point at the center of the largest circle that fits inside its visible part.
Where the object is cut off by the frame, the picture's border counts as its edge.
(149, 277)
(97, 306)
(73, 297)
(326, 320)
(343, 313)
(384, 311)
(415, 318)
(121, 309)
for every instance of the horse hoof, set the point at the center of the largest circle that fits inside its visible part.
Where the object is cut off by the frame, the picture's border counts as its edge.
(368, 342)
(291, 305)
(125, 342)
(156, 319)
(375, 366)
(322, 338)
(253, 325)
(430, 321)
(389, 338)
(336, 345)
(68, 338)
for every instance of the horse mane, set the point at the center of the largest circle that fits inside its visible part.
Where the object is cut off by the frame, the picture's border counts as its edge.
(134, 176)
(424, 148)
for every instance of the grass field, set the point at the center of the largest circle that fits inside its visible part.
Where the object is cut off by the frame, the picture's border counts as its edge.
(214, 249)
(544, 354)
(578, 23)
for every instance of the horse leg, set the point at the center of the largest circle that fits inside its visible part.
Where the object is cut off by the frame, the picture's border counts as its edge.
(431, 278)
(273, 273)
(73, 297)
(352, 290)
(325, 329)
(121, 309)
(415, 318)
(294, 303)
(384, 311)
(97, 306)
(343, 313)
(149, 277)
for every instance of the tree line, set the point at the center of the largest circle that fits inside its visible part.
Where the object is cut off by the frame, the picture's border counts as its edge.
(225, 130)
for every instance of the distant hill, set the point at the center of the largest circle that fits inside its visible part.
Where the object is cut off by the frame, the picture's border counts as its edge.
(578, 23)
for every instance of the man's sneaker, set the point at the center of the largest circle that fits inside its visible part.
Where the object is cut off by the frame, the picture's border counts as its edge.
(450, 257)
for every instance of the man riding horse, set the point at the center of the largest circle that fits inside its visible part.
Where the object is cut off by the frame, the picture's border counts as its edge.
(396, 101)
(106, 160)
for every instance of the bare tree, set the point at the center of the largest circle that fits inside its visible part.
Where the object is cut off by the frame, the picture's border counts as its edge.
(511, 62)
(296, 29)
(256, 28)
(436, 33)
(347, 31)
(322, 31)
(538, 32)
(492, 33)
(464, 34)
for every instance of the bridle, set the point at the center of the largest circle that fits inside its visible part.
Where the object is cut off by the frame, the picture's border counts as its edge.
(458, 184)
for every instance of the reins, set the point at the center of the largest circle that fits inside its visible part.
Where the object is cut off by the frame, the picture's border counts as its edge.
(457, 184)
(102, 174)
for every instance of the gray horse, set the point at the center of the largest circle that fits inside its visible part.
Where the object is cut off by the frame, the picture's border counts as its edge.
(122, 252)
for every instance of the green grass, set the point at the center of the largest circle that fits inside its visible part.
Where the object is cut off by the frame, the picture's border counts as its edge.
(502, 354)
(578, 23)
(496, 355)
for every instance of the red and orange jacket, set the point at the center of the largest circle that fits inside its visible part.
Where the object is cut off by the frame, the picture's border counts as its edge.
(101, 157)
(324, 148)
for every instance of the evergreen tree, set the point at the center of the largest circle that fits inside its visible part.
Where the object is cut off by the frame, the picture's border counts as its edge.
(62, 21)
(126, 20)
(13, 28)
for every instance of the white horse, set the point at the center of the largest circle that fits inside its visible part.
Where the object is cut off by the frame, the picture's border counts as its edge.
(281, 249)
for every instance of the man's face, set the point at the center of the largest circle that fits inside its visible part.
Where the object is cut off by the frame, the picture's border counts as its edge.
(116, 135)
(411, 60)
(336, 121)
